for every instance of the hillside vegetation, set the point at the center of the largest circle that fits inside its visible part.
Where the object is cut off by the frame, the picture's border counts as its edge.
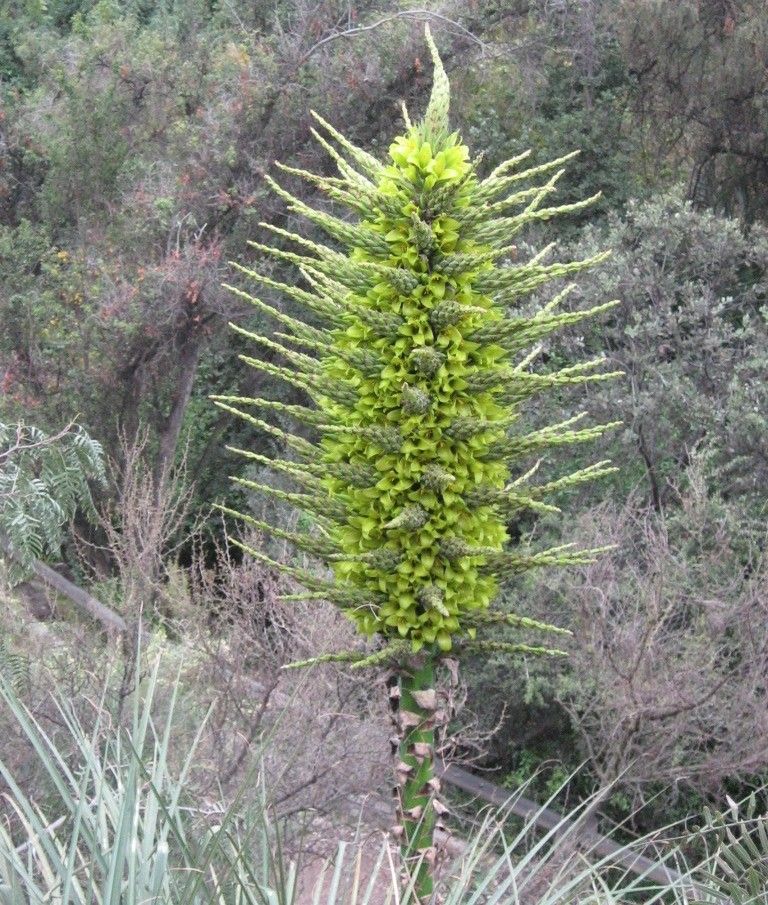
(135, 137)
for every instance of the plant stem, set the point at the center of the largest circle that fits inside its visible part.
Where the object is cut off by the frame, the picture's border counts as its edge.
(416, 769)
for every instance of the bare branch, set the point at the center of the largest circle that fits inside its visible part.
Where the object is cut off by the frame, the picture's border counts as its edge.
(419, 15)
(23, 446)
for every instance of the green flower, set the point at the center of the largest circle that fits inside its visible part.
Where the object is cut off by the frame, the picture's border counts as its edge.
(416, 373)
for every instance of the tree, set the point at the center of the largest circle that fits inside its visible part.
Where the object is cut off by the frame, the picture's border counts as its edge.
(412, 366)
(700, 73)
(557, 79)
(132, 143)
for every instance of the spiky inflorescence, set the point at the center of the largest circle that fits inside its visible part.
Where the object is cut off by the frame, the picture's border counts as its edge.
(416, 375)
(416, 372)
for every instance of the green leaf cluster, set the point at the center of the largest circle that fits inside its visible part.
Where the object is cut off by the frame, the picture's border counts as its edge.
(43, 482)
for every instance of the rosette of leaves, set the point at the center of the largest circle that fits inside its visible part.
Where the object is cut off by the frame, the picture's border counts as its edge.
(414, 372)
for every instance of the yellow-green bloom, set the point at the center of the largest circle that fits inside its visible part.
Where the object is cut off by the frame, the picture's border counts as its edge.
(415, 369)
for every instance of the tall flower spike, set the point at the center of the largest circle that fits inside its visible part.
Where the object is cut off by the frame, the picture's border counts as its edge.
(411, 464)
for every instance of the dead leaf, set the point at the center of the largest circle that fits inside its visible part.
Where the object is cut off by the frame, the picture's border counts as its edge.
(421, 750)
(426, 699)
(408, 719)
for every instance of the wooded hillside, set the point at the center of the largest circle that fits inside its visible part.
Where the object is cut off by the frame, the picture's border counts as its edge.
(135, 136)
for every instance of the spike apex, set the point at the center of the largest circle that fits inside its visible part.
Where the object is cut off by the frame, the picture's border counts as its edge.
(436, 124)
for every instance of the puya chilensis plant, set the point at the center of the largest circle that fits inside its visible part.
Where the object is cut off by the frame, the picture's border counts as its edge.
(416, 373)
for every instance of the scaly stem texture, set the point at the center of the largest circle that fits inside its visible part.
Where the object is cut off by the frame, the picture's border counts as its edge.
(416, 773)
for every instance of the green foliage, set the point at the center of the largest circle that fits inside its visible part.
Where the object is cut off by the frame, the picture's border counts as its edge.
(14, 666)
(122, 831)
(699, 96)
(738, 840)
(417, 381)
(529, 773)
(690, 333)
(43, 482)
(48, 312)
(123, 827)
(562, 82)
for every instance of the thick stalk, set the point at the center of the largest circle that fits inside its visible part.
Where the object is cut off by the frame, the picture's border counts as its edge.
(415, 769)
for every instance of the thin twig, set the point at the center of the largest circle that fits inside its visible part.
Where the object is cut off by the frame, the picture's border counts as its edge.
(21, 446)
(418, 14)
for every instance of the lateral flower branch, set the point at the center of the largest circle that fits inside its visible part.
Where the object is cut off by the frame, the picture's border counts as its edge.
(416, 372)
